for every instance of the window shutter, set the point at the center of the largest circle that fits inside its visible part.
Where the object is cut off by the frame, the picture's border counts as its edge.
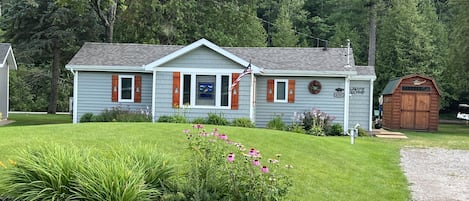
(115, 88)
(176, 89)
(234, 92)
(270, 90)
(138, 89)
(291, 91)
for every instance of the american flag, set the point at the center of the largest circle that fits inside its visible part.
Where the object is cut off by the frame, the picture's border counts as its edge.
(246, 71)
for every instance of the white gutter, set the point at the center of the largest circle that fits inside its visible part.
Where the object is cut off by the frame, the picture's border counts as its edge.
(346, 104)
(153, 97)
(307, 73)
(370, 126)
(106, 68)
(75, 96)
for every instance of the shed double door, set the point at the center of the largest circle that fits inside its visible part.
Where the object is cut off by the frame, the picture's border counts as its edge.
(415, 111)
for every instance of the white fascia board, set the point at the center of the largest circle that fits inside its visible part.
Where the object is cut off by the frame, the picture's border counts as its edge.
(307, 73)
(201, 42)
(198, 70)
(363, 77)
(107, 68)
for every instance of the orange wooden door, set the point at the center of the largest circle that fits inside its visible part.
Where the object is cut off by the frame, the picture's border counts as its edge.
(422, 111)
(407, 111)
(415, 111)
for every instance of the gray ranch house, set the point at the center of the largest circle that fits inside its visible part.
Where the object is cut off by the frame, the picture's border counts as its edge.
(198, 77)
(7, 63)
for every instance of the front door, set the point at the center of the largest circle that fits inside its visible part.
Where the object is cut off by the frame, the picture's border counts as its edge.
(415, 111)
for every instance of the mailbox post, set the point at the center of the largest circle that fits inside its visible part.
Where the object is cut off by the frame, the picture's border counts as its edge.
(354, 133)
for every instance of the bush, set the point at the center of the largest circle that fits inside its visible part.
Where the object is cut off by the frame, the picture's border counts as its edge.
(316, 122)
(58, 173)
(87, 117)
(172, 119)
(335, 129)
(362, 132)
(199, 120)
(243, 122)
(216, 119)
(120, 114)
(276, 123)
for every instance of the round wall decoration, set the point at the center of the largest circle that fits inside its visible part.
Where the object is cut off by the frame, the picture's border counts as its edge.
(314, 87)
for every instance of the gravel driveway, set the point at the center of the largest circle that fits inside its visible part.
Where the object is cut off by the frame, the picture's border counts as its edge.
(436, 174)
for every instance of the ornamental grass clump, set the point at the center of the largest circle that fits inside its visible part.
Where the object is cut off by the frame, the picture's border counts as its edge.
(221, 169)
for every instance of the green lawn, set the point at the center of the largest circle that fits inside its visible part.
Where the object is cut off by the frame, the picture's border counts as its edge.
(38, 119)
(325, 168)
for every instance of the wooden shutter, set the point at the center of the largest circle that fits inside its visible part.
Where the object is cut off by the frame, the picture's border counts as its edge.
(176, 89)
(234, 92)
(291, 91)
(115, 88)
(270, 90)
(138, 89)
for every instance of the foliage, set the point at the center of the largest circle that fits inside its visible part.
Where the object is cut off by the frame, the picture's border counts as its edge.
(172, 119)
(316, 122)
(121, 114)
(225, 170)
(335, 129)
(276, 123)
(199, 120)
(243, 122)
(216, 119)
(59, 173)
(87, 117)
(362, 132)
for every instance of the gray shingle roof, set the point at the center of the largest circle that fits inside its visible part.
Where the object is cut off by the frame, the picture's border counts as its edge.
(4, 50)
(365, 70)
(271, 58)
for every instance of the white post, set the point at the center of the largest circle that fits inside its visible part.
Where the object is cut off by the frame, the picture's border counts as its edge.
(75, 96)
(153, 97)
(346, 103)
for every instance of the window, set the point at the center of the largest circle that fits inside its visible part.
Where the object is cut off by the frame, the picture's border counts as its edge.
(126, 88)
(206, 90)
(281, 93)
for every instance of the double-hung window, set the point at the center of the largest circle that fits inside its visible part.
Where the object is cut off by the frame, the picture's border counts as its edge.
(281, 91)
(206, 90)
(126, 88)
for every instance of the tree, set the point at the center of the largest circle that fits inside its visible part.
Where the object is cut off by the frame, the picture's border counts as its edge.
(284, 33)
(44, 33)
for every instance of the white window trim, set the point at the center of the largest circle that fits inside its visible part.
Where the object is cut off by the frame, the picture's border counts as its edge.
(131, 100)
(286, 91)
(194, 92)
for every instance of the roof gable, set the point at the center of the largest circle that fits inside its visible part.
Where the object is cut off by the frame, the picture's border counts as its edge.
(195, 45)
(7, 56)
(392, 85)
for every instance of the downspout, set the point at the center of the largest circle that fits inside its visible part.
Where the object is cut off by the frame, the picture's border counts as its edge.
(153, 97)
(370, 126)
(346, 104)
(75, 96)
(8, 92)
(251, 99)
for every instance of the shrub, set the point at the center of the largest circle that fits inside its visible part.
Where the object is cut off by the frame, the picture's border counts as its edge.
(243, 122)
(276, 123)
(362, 132)
(165, 118)
(223, 170)
(316, 122)
(87, 117)
(199, 120)
(121, 114)
(217, 119)
(335, 129)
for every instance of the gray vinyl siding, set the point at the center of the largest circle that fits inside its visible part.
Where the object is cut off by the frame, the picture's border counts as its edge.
(94, 93)
(304, 100)
(360, 105)
(202, 57)
(4, 91)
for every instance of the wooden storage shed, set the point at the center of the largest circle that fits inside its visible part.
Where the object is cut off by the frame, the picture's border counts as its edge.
(411, 102)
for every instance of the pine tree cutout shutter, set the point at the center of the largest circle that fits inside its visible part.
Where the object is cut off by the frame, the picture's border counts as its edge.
(115, 88)
(138, 89)
(176, 89)
(270, 90)
(291, 91)
(235, 92)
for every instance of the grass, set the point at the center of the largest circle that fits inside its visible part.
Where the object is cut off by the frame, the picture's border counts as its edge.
(325, 168)
(38, 119)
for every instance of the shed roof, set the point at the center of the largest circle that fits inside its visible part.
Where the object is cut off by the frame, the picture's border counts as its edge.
(274, 58)
(393, 83)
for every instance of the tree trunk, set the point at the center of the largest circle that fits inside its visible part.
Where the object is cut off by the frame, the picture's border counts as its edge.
(55, 81)
(372, 36)
(110, 32)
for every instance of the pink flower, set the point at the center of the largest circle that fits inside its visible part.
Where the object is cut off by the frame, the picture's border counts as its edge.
(252, 152)
(186, 131)
(264, 169)
(198, 126)
(223, 137)
(256, 162)
(230, 158)
(215, 130)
